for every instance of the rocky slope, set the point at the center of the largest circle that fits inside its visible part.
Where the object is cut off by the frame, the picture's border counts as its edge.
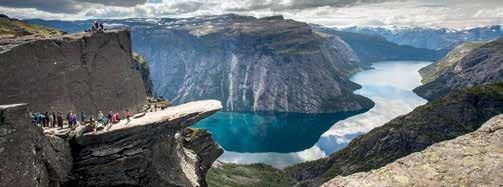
(456, 114)
(28, 157)
(481, 66)
(474, 159)
(433, 71)
(250, 64)
(14, 27)
(370, 48)
(431, 38)
(79, 72)
(154, 150)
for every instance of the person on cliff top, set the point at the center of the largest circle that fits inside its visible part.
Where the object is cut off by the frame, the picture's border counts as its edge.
(128, 115)
(118, 117)
(101, 27)
(69, 118)
(59, 119)
(74, 120)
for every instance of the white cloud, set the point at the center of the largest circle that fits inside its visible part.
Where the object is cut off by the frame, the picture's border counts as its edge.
(441, 13)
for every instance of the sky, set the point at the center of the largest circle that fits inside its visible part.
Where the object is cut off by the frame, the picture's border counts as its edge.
(332, 13)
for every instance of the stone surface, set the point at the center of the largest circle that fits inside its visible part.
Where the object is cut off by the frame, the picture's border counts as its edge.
(29, 158)
(482, 66)
(80, 72)
(153, 150)
(456, 114)
(474, 159)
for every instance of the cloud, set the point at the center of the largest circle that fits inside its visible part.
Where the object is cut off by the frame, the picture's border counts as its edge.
(426, 13)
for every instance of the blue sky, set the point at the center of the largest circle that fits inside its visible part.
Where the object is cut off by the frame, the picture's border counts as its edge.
(427, 13)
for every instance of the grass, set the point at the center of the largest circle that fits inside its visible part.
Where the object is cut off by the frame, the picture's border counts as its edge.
(255, 175)
(16, 27)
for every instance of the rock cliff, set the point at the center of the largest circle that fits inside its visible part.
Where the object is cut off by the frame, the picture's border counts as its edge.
(456, 114)
(474, 159)
(154, 150)
(79, 72)
(250, 64)
(433, 71)
(481, 66)
(28, 157)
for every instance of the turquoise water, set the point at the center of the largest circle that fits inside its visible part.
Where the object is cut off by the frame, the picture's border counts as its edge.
(269, 132)
(283, 139)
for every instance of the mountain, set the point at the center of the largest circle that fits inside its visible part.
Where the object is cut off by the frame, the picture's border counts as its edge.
(433, 71)
(431, 38)
(84, 72)
(481, 66)
(449, 163)
(250, 64)
(15, 27)
(458, 113)
(371, 48)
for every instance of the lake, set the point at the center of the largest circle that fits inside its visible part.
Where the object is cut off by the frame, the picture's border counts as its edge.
(283, 139)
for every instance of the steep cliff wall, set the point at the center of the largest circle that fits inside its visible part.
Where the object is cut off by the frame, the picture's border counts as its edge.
(250, 64)
(474, 159)
(80, 72)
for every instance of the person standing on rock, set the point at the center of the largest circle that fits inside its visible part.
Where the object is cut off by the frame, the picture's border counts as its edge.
(82, 117)
(50, 120)
(54, 119)
(110, 117)
(100, 117)
(128, 115)
(60, 120)
(69, 118)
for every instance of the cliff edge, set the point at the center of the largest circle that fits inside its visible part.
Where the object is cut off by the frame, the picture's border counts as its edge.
(83, 72)
(154, 150)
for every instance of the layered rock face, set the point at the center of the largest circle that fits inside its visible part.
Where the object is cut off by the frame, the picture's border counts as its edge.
(81, 72)
(154, 150)
(456, 114)
(28, 157)
(433, 71)
(249, 64)
(474, 159)
(482, 66)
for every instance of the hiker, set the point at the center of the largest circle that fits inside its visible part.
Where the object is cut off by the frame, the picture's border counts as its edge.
(74, 120)
(128, 115)
(54, 119)
(60, 120)
(50, 120)
(96, 25)
(82, 117)
(101, 27)
(118, 117)
(101, 117)
(68, 118)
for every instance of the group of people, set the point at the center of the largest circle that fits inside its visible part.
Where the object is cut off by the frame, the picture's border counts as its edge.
(96, 27)
(53, 120)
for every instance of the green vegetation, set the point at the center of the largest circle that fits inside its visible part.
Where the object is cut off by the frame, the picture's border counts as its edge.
(255, 175)
(14, 27)
(433, 71)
